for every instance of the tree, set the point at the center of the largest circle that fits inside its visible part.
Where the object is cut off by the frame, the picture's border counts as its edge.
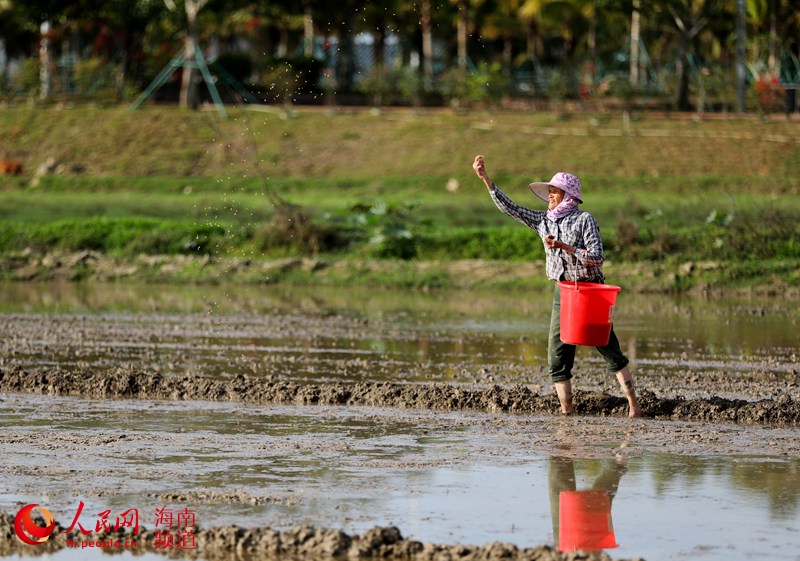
(339, 19)
(426, 27)
(685, 19)
(191, 46)
(18, 28)
(505, 23)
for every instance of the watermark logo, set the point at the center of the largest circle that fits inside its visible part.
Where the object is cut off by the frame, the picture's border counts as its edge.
(174, 529)
(28, 531)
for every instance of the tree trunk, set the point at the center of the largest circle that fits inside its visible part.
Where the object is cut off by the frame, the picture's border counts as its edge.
(379, 44)
(592, 44)
(308, 31)
(774, 64)
(345, 65)
(682, 101)
(741, 56)
(508, 53)
(283, 41)
(427, 43)
(462, 35)
(119, 75)
(44, 57)
(634, 62)
(530, 36)
(3, 60)
(189, 98)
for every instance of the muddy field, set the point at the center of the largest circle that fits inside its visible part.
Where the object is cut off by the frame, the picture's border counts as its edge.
(125, 384)
(323, 362)
(323, 357)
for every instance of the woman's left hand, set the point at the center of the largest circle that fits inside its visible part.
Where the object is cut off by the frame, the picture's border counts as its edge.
(551, 242)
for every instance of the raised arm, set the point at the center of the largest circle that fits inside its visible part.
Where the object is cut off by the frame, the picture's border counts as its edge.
(480, 168)
(528, 217)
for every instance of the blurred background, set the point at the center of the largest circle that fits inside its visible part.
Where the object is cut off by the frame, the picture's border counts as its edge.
(698, 55)
(344, 132)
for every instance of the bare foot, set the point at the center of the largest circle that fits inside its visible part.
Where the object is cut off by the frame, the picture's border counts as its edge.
(564, 393)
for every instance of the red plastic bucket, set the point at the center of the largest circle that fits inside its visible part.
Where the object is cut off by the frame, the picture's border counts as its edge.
(587, 311)
(584, 521)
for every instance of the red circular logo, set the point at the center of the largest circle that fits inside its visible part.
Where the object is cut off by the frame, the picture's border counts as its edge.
(28, 531)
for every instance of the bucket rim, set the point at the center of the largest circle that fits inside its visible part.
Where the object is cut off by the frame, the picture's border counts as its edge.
(589, 286)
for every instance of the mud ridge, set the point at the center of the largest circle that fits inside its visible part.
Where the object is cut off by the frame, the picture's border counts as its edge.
(124, 383)
(303, 542)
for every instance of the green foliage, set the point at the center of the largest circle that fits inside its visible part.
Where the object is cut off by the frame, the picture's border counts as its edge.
(285, 78)
(290, 228)
(27, 79)
(282, 82)
(351, 175)
(383, 230)
(389, 85)
(379, 83)
(124, 237)
(561, 84)
(96, 79)
(507, 243)
(486, 84)
(730, 235)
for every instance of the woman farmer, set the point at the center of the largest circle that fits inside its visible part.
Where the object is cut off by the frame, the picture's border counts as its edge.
(574, 252)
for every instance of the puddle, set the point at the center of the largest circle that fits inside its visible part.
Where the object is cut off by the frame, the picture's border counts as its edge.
(440, 477)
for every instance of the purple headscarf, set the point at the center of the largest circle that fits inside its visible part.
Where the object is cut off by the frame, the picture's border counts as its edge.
(567, 206)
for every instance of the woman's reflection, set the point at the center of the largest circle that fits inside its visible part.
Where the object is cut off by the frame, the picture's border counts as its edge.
(582, 518)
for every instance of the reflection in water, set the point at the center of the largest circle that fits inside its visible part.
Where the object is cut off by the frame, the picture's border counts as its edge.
(582, 517)
(456, 477)
(777, 480)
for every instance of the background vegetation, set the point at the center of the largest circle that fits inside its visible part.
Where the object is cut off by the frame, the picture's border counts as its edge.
(716, 198)
(680, 54)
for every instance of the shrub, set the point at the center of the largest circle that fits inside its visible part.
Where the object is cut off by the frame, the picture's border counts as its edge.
(481, 243)
(769, 93)
(121, 236)
(290, 228)
(288, 77)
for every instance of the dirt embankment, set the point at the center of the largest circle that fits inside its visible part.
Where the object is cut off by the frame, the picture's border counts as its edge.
(303, 542)
(125, 384)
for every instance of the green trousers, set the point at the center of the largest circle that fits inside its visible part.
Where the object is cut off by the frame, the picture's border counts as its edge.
(561, 356)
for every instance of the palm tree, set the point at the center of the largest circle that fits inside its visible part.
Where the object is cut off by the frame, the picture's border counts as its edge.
(685, 19)
(530, 12)
(505, 23)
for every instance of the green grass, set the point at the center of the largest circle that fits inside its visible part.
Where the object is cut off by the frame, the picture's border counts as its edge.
(163, 181)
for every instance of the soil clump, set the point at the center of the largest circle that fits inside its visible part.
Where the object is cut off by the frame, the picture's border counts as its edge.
(303, 542)
(122, 383)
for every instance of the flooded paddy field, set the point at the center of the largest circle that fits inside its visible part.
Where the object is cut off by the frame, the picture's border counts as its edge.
(262, 408)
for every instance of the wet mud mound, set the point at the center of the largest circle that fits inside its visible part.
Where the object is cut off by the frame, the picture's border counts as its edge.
(304, 542)
(123, 383)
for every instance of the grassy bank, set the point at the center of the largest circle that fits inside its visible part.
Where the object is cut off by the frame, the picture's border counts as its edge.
(682, 203)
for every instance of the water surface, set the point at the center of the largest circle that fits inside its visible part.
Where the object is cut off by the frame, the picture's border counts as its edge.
(441, 477)
(330, 335)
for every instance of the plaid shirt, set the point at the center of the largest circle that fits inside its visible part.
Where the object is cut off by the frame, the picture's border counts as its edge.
(579, 229)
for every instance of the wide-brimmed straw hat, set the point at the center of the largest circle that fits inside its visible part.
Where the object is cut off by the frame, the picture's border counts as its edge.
(567, 182)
